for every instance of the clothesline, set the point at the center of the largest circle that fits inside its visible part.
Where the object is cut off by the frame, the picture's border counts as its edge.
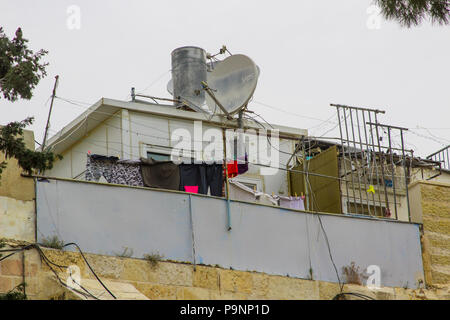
(191, 177)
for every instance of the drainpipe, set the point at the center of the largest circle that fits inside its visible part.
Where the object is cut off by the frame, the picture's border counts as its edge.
(226, 179)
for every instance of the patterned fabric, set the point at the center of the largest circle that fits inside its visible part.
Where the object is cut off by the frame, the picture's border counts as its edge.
(127, 173)
(96, 168)
(114, 171)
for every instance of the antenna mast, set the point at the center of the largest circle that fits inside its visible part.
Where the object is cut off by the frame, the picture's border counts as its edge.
(50, 112)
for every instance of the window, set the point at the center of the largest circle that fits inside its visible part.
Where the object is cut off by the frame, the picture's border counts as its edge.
(252, 186)
(252, 183)
(158, 156)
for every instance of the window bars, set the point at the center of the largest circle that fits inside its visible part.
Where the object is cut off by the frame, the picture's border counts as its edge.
(371, 169)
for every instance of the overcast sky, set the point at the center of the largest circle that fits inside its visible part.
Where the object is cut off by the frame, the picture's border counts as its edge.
(310, 53)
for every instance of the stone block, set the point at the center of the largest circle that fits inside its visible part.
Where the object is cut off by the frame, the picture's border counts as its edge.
(192, 293)
(260, 283)
(10, 267)
(157, 291)
(236, 281)
(138, 270)
(292, 289)
(206, 277)
(328, 290)
(174, 274)
(6, 284)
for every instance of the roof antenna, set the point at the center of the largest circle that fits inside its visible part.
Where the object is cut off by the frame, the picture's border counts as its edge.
(50, 112)
(133, 94)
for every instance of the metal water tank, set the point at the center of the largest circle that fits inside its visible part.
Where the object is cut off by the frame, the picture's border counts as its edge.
(188, 72)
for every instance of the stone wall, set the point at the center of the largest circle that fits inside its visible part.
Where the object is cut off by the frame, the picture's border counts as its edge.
(430, 205)
(177, 281)
(17, 205)
(12, 269)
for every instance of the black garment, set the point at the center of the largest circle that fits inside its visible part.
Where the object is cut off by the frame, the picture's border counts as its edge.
(214, 179)
(160, 174)
(102, 157)
(204, 176)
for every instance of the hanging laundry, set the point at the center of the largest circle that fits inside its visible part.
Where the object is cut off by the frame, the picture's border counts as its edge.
(232, 168)
(242, 165)
(236, 167)
(296, 203)
(127, 172)
(205, 176)
(160, 174)
(98, 166)
(214, 179)
(191, 189)
(113, 170)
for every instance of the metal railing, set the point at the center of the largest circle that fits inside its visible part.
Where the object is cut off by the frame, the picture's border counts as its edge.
(370, 160)
(441, 156)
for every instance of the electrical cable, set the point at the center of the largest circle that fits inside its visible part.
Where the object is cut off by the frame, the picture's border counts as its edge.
(50, 264)
(359, 295)
(93, 272)
(341, 285)
(46, 260)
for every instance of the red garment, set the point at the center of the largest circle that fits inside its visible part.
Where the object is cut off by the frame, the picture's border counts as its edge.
(232, 168)
(191, 189)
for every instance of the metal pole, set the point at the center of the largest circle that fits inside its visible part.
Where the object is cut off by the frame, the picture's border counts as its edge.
(382, 165)
(356, 161)
(50, 112)
(448, 161)
(357, 108)
(344, 161)
(211, 94)
(406, 178)
(374, 156)
(227, 186)
(368, 163)
(351, 162)
(392, 173)
(192, 231)
(305, 178)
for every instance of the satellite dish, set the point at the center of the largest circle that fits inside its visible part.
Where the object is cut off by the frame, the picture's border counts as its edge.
(210, 65)
(213, 64)
(232, 82)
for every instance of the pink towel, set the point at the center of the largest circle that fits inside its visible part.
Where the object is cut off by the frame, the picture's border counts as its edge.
(191, 189)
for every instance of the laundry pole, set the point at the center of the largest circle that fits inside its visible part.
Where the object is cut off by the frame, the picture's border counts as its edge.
(227, 184)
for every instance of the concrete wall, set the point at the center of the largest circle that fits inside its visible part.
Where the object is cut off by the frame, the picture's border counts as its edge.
(430, 203)
(104, 219)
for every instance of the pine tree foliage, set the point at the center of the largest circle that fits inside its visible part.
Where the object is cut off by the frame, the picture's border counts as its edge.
(20, 72)
(20, 67)
(13, 146)
(413, 12)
